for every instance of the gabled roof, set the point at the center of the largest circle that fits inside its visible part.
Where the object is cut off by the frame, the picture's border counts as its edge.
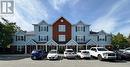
(102, 32)
(81, 23)
(92, 32)
(30, 33)
(61, 18)
(72, 42)
(51, 42)
(43, 22)
(91, 42)
(31, 42)
(20, 31)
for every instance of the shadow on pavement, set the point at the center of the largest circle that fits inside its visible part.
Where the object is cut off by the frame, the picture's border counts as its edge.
(12, 57)
(116, 61)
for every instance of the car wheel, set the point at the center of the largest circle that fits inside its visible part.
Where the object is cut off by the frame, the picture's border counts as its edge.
(34, 58)
(100, 58)
(91, 57)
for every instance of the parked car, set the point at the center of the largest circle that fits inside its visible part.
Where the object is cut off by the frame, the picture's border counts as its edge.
(102, 53)
(126, 50)
(53, 55)
(69, 53)
(123, 54)
(83, 54)
(38, 54)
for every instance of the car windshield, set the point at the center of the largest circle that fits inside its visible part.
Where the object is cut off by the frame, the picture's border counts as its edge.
(69, 50)
(102, 49)
(53, 52)
(85, 52)
(34, 51)
(128, 49)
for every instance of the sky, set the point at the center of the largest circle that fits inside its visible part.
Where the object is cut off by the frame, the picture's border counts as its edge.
(112, 16)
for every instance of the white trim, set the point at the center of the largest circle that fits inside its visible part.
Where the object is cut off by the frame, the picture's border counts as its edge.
(50, 42)
(91, 40)
(33, 42)
(71, 41)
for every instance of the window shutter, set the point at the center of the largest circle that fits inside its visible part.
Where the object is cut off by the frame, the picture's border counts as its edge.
(47, 38)
(39, 38)
(16, 38)
(105, 38)
(24, 38)
(76, 28)
(76, 38)
(84, 38)
(98, 38)
(47, 29)
(39, 28)
(84, 29)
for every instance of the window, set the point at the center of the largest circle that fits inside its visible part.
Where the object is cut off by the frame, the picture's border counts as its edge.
(80, 38)
(43, 28)
(20, 38)
(102, 38)
(61, 37)
(80, 28)
(61, 28)
(43, 38)
(20, 48)
(93, 49)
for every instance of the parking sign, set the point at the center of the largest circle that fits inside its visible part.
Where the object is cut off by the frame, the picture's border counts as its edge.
(7, 7)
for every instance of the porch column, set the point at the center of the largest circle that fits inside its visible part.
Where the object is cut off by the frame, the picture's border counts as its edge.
(66, 46)
(46, 48)
(77, 48)
(86, 47)
(36, 47)
(56, 47)
(25, 49)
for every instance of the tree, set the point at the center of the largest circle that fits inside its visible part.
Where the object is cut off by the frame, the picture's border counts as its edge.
(128, 39)
(119, 41)
(7, 29)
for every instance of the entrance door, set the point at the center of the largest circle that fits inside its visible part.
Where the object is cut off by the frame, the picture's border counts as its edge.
(89, 46)
(61, 49)
(51, 47)
(71, 47)
(30, 48)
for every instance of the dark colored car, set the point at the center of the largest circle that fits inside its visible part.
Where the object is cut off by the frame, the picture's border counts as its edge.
(122, 55)
(38, 54)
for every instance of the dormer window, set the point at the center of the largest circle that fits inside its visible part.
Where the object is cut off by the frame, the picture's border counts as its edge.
(80, 28)
(43, 28)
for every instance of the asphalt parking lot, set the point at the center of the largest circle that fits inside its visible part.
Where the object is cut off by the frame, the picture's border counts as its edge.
(25, 61)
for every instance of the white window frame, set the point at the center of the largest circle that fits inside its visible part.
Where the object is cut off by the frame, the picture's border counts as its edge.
(43, 38)
(102, 37)
(80, 38)
(61, 37)
(61, 28)
(80, 27)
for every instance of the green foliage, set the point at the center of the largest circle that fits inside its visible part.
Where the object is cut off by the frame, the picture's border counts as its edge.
(7, 29)
(128, 39)
(119, 41)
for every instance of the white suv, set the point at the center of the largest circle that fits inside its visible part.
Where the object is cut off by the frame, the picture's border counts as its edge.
(69, 53)
(102, 53)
